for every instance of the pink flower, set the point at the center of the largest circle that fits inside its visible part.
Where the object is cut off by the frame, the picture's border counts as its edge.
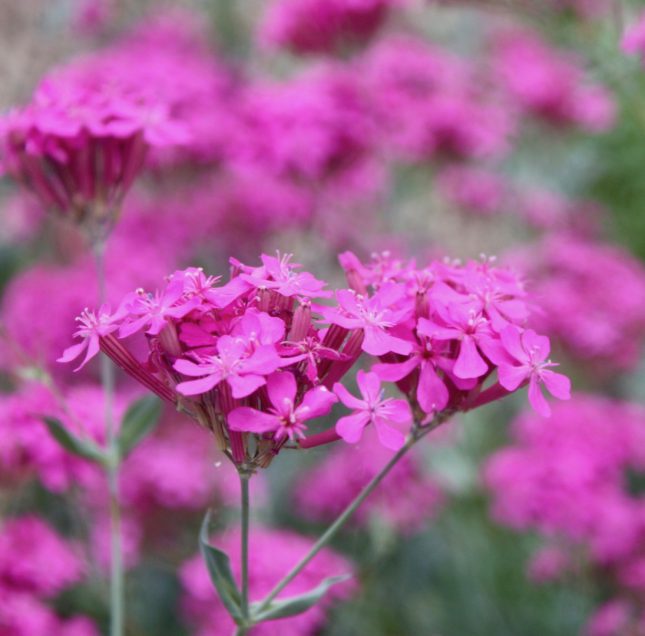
(321, 26)
(531, 351)
(284, 418)
(465, 324)
(633, 40)
(243, 370)
(432, 392)
(279, 273)
(146, 310)
(93, 327)
(391, 418)
(47, 564)
(374, 315)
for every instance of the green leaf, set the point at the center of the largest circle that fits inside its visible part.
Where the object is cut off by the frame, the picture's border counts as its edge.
(296, 604)
(70, 442)
(139, 420)
(219, 568)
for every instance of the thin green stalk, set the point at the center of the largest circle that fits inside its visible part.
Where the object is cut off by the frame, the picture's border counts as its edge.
(117, 587)
(335, 527)
(417, 433)
(244, 485)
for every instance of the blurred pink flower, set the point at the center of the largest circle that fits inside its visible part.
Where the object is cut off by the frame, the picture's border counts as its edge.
(323, 26)
(326, 488)
(550, 84)
(35, 559)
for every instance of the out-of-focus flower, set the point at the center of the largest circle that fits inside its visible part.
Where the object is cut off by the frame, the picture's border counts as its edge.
(23, 614)
(431, 105)
(473, 189)
(79, 148)
(323, 26)
(551, 85)
(27, 450)
(634, 38)
(35, 559)
(590, 295)
(274, 552)
(325, 489)
(570, 481)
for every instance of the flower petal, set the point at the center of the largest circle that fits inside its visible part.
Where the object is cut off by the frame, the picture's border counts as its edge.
(469, 363)
(250, 420)
(350, 427)
(432, 393)
(347, 398)
(197, 387)
(536, 399)
(389, 436)
(557, 384)
(510, 377)
(244, 385)
(316, 403)
(281, 385)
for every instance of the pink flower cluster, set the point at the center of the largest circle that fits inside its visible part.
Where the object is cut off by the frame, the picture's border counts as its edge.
(273, 553)
(346, 469)
(79, 145)
(550, 85)
(432, 105)
(35, 565)
(570, 482)
(339, 24)
(27, 449)
(249, 356)
(591, 298)
(455, 325)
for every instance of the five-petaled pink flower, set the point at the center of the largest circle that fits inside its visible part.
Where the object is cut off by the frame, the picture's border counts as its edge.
(528, 361)
(390, 417)
(432, 392)
(92, 328)
(284, 418)
(465, 323)
(374, 315)
(244, 371)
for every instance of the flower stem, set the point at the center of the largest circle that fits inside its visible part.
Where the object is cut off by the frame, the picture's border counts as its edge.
(116, 551)
(244, 486)
(417, 433)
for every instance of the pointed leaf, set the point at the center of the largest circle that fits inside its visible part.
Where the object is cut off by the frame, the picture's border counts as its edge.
(219, 568)
(139, 420)
(70, 442)
(294, 605)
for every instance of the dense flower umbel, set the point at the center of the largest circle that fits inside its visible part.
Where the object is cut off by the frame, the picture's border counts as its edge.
(441, 331)
(249, 356)
(79, 147)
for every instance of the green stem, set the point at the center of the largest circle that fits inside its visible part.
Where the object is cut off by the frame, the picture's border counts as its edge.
(117, 600)
(416, 434)
(336, 526)
(244, 486)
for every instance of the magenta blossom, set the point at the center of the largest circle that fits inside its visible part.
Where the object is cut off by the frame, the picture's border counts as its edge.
(284, 418)
(529, 352)
(391, 418)
(465, 324)
(92, 328)
(374, 315)
(244, 372)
